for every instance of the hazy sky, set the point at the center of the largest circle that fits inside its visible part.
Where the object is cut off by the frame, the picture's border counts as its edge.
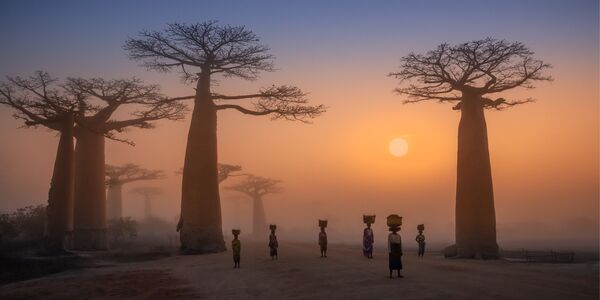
(544, 155)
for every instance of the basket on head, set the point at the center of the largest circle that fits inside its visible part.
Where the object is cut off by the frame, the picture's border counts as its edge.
(272, 226)
(368, 219)
(394, 221)
(235, 231)
(420, 227)
(322, 223)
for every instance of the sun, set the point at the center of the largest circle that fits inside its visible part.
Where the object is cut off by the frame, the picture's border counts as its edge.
(398, 147)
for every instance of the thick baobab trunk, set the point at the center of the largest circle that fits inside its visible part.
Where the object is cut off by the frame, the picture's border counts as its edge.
(201, 230)
(259, 221)
(475, 213)
(114, 201)
(90, 196)
(59, 226)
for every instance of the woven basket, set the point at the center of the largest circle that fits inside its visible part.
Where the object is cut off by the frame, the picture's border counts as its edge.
(394, 220)
(322, 223)
(369, 219)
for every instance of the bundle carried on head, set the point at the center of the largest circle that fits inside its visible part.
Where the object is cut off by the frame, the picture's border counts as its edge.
(322, 223)
(235, 231)
(272, 226)
(369, 219)
(420, 227)
(394, 221)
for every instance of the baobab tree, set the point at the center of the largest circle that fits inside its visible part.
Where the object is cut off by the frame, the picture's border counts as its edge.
(224, 172)
(40, 101)
(203, 52)
(466, 75)
(148, 192)
(116, 177)
(95, 122)
(257, 187)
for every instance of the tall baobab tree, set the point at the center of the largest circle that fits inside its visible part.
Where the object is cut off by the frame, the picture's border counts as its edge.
(148, 192)
(116, 177)
(466, 75)
(204, 51)
(39, 101)
(95, 122)
(256, 188)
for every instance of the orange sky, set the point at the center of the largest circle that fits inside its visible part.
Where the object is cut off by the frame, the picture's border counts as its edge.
(545, 155)
(544, 158)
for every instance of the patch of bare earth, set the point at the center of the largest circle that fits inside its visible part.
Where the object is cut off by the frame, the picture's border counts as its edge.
(135, 284)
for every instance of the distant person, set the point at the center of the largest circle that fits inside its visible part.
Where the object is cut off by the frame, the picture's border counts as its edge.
(236, 247)
(368, 239)
(421, 240)
(273, 244)
(395, 244)
(323, 238)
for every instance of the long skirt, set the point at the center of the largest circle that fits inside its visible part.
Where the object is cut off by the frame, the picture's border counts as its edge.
(395, 257)
(273, 251)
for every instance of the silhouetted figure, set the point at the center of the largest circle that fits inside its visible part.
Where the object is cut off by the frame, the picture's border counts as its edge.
(368, 237)
(323, 238)
(236, 247)
(273, 244)
(465, 74)
(395, 244)
(421, 239)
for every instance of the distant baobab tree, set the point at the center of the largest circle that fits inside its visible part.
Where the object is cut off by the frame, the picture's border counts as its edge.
(465, 75)
(116, 177)
(148, 192)
(95, 122)
(204, 51)
(256, 188)
(40, 101)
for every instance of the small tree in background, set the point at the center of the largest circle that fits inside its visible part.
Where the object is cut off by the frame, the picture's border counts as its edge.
(256, 188)
(147, 192)
(116, 177)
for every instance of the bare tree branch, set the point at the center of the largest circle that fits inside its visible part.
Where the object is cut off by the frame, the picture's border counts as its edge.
(232, 51)
(39, 100)
(105, 97)
(479, 67)
(282, 102)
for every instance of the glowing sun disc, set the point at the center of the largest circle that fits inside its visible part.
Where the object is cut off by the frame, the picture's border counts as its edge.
(398, 147)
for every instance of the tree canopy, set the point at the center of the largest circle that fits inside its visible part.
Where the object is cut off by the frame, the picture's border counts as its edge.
(208, 48)
(256, 186)
(130, 172)
(478, 67)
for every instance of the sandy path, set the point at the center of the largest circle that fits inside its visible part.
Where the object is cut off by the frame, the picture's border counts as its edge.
(301, 274)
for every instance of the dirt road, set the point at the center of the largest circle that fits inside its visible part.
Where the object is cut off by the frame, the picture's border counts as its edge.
(301, 274)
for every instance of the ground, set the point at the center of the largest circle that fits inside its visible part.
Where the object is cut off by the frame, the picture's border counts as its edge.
(301, 274)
